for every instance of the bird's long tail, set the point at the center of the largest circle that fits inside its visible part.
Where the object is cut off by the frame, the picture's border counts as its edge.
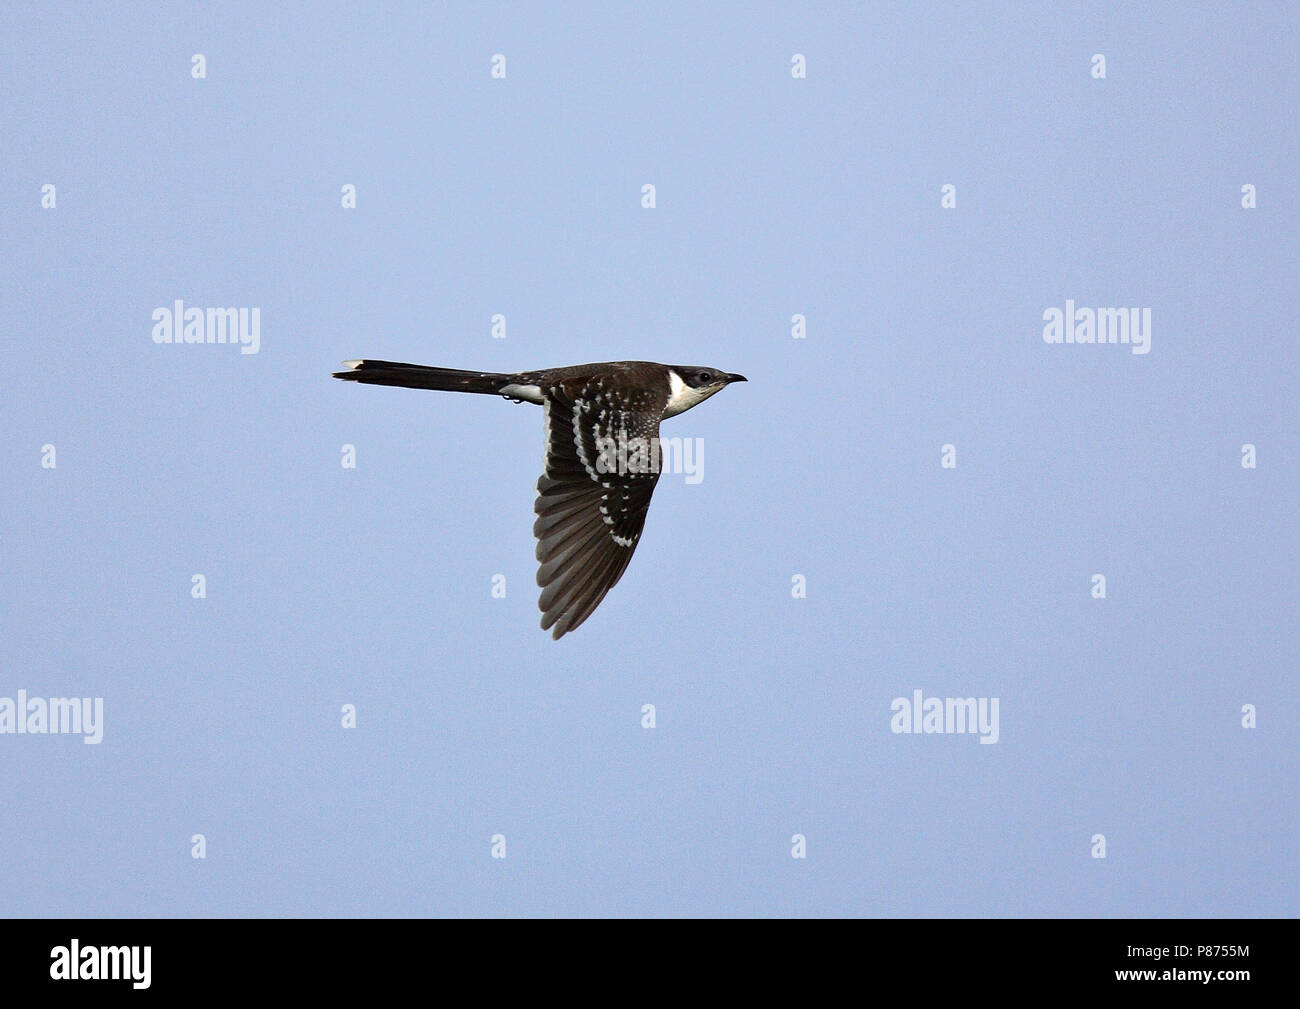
(419, 376)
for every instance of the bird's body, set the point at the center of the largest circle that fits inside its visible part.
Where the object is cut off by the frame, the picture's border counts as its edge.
(591, 505)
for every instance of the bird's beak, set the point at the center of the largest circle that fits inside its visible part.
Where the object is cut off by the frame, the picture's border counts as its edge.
(736, 378)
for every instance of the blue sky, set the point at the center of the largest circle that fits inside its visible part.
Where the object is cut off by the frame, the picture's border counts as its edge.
(775, 196)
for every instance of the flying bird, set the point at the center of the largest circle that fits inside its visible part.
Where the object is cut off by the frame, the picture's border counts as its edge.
(591, 505)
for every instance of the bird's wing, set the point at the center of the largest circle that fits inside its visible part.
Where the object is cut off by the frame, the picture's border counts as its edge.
(592, 499)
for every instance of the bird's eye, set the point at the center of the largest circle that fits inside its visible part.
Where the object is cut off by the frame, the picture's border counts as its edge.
(705, 376)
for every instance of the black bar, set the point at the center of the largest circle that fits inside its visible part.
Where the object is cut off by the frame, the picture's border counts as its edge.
(979, 958)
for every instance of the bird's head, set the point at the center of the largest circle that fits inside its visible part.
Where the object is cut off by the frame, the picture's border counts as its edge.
(692, 383)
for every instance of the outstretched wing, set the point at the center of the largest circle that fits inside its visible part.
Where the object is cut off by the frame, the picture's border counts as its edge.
(602, 465)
